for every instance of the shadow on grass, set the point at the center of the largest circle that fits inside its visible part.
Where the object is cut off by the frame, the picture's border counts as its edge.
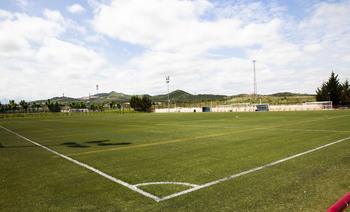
(103, 143)
(74, 145)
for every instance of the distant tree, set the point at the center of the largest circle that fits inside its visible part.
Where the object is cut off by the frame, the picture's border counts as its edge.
(24, 105)
(111, 104)
(100, 107)
(119, 106)
(72, 105)
(36, 105)
(62, 104)
(12, 105)
(77, 105)
(93, 106)
(81, 105)
(135, 103)
(48, 104)
(142, 104)
(345, 98)
(53, 107)
(330, 90)
(146, 103)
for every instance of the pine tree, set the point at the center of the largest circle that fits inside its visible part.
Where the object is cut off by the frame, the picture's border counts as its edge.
(330, 91)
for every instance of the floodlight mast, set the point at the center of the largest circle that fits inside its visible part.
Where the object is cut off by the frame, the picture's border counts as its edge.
(97, 96)
(255, 85)
(167, 80)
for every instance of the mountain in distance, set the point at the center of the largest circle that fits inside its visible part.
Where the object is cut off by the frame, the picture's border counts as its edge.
(180, 96)
(177, 96)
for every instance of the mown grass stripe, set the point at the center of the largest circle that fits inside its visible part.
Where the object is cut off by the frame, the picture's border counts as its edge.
(86, 131)
(192, 138)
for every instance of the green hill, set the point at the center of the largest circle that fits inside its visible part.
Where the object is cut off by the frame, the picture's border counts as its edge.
(183, 96)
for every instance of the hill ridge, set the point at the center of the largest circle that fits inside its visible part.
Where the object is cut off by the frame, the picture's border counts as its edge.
(176, 95)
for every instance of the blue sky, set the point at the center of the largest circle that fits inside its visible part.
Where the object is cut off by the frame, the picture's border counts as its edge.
(50, 47)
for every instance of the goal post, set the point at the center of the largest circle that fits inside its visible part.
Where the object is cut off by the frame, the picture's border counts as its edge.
(78, 110)
(321, 105)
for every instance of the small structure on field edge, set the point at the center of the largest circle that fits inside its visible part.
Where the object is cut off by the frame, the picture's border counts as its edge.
(262, 107)
(206, 109)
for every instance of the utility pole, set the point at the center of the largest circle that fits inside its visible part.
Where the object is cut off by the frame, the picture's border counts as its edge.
(255, 85)
(167, 80)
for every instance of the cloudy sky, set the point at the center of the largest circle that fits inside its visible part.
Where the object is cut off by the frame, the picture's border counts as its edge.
(49, 48)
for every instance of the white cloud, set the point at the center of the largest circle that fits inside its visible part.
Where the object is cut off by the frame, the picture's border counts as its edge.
(32, 28)
(53, 15)
(32, 57)
(174, 38)
(177, 26)
(75, 8)
(55, 68)
(312, 48)
(68, 60)
(177, 43)
(18, 31)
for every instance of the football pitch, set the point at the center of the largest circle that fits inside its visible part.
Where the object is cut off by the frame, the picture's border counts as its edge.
(249, 161)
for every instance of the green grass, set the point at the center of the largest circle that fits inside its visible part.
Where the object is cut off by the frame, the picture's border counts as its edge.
(195, 148)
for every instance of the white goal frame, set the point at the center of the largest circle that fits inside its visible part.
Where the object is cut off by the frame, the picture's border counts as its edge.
(80, 110)
(321, 105)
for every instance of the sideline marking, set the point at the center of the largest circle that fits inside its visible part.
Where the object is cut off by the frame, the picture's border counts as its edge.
(249, 171)
(132, 187)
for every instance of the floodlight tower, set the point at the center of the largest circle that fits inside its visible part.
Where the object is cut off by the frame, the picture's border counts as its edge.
(167, 80)
(255, 85)
(97, 96)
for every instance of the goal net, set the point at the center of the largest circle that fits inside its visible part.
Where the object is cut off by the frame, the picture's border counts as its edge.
(80, 110)
(322, 105)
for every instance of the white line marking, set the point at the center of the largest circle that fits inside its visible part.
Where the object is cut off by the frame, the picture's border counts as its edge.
(185, 125)
(249, 171)
(160, 183)
(301, 130)
(338, 117)
(195, 187)
(132, 187)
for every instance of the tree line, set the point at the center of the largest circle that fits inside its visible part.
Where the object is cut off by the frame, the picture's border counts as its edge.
(332, 90)
(141, 104)
(335, 91)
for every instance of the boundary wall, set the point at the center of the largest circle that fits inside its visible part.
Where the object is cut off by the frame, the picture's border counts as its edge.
(248, 108)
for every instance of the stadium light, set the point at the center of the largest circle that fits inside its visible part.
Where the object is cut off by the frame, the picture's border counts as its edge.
(255, 85)
(167, 80)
